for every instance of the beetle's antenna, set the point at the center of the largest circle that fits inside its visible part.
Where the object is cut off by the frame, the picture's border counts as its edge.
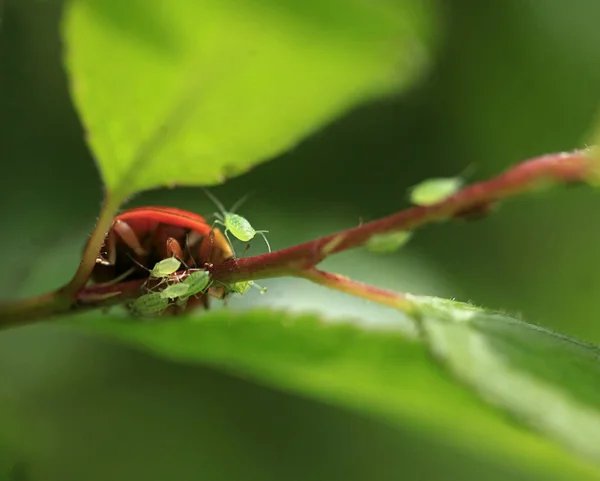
(117, 279)
(215, 200)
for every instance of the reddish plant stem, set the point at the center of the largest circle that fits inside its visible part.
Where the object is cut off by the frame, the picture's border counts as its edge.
(392, 299)
(299, 261)
(561, 168)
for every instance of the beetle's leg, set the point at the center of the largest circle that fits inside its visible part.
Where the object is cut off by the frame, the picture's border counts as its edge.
(100, 297)
(117, 279)
(127, 234)
(111, 250)
(174, 248)
(212, 242)
(192, 238)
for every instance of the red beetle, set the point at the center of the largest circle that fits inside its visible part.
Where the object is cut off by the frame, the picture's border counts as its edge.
(144, 236)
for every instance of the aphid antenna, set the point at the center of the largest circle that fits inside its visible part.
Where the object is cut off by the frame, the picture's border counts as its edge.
(150, 270)
(469, 170)
(138, 262)
(221, 207)
(216, 201)
(239, 203)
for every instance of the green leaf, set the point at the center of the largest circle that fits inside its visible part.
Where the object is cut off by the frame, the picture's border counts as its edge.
(376, 371)
(194, 92)
(549, 381)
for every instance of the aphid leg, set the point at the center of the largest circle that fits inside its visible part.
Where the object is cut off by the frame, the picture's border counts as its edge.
(128, 235)
(262, 233)
(224, 232)
(229, 240)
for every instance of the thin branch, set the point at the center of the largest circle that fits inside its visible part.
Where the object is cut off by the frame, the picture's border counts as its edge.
(345, 284)
(300, 260)
(562, 168)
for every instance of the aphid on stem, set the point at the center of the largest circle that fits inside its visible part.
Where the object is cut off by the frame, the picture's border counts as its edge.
(152, 304)
(162, 269)
(239, 226)
(243, 286)
(174, 291)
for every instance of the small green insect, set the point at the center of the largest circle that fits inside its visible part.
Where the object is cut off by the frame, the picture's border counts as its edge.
(389, 242)
(197, 282)
(174, 291)
(432, 191)
(149, 305)
(165, 268)
(161, 270)
(243, 286)
(239, 226)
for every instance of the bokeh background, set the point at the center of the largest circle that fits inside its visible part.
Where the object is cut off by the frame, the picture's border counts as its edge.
(509, 79)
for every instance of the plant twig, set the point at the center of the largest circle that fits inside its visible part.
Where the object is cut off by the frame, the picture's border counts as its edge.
(300, 260)
(562, 168)
(345, 284)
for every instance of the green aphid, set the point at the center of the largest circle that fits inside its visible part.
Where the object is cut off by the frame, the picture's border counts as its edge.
(243, 286)
(197, 281)
(432, 191)
(149, 305)
(165, 268)
(239, 226)
(175, 291)
(389, 242)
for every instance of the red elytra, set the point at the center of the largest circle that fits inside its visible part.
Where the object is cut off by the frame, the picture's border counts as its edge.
(146, 235)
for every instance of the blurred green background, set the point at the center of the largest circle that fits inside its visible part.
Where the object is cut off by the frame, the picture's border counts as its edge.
(509, 79)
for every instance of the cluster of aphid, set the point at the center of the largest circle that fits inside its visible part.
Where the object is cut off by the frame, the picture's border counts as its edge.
(171, 249)
(426, 193)
(162, 237)
(173, 288)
